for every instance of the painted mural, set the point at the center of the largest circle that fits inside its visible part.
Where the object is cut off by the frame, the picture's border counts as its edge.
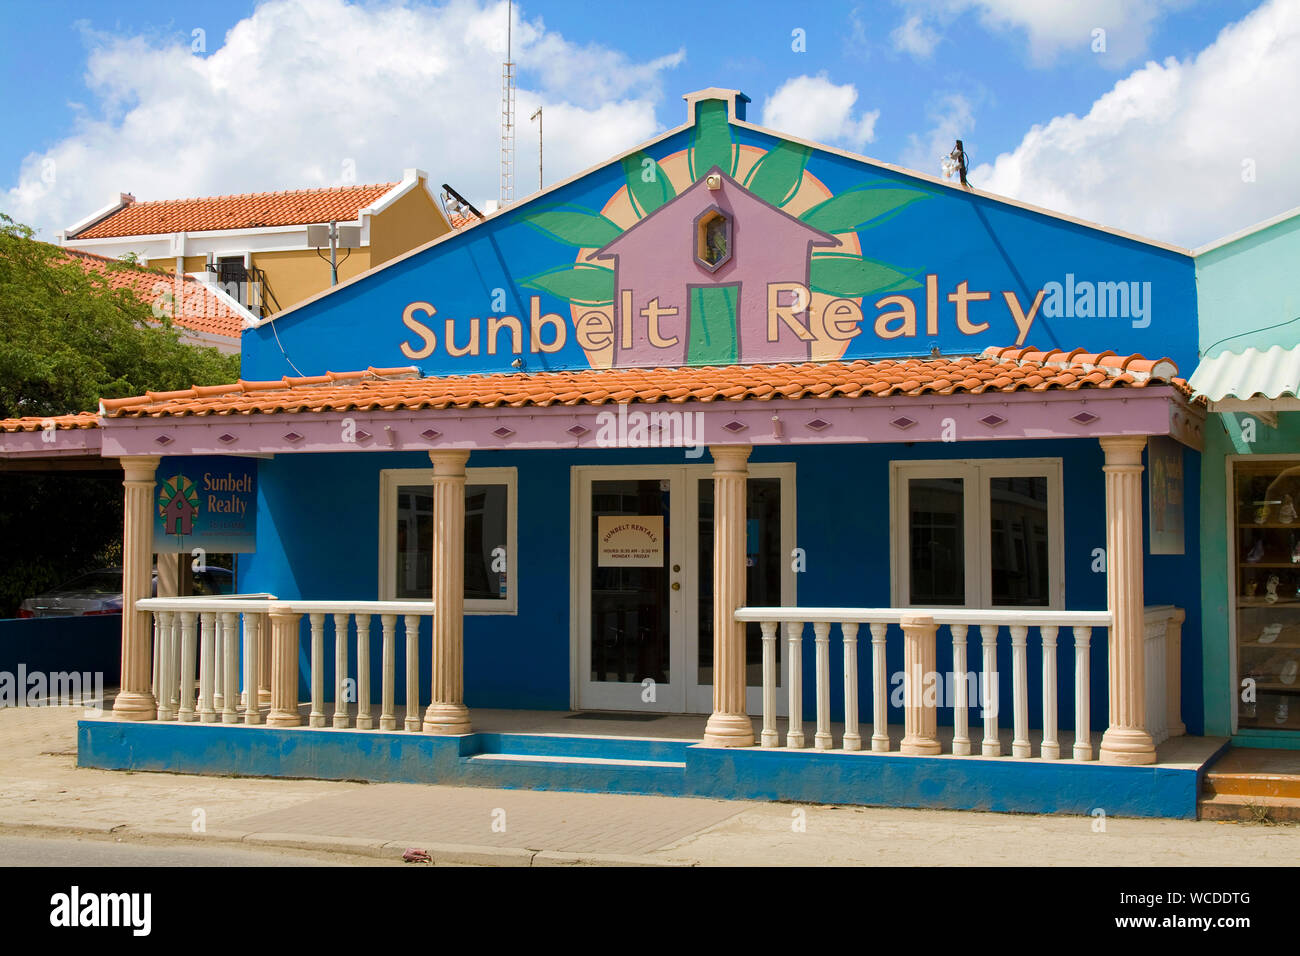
(721, 243)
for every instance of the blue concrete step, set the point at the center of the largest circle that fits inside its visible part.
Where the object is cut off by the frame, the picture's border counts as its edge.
(592, 764)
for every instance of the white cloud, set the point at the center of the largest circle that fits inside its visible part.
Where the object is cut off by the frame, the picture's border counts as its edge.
(1051, 26)
(812, 107)
(952, 117)
(914, 37)
(1163, 153)
(301, 86)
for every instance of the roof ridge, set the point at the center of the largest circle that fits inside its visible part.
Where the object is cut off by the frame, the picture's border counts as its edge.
(307, 190)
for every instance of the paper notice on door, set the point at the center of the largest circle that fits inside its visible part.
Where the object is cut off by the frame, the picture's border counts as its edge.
(630, 541)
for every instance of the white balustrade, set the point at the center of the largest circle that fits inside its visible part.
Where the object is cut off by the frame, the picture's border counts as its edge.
(960, 684)
(201, 636)
(1162, 633)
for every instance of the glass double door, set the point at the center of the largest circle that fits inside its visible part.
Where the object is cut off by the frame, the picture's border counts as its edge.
(644, 582)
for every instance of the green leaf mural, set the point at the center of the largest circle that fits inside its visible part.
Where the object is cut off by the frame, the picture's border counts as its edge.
(712, 146)
(776, 177)
(574, 226)
(577, 283)
(713, 338)
(858, 207)
(853, 276)
(646, 196)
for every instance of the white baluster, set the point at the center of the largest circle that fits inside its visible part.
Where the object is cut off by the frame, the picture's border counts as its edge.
(176, 645)
(230, 667)
(879, 700)
(207, 666)
(852, 738)
(794, 670)
(769, 737)
(166, 673)
(364, 720)
(189, 651)
(1020, 745)
(414, 716)
(219, 656)
(157, 651)
(992, 744)
(388, 692)
(317, 716)
(1082, 688)
(341, 670)
(254, 631)
(1050, 749)
(822, 739)
(961, 701)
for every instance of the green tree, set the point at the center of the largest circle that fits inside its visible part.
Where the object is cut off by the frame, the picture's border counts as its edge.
(68, 339)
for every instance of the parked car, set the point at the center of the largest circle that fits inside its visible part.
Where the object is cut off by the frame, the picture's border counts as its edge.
(100, 592)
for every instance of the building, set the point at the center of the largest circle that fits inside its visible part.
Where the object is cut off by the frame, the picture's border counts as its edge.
(1250, 487)
(203, 313)
(255, 245)
(809, 476)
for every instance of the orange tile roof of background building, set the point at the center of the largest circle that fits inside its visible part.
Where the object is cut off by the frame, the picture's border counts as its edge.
(61, 422)
(244, 211)
(997, 370)
(200, 310)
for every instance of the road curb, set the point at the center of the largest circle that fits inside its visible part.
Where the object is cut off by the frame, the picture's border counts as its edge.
(447, 854)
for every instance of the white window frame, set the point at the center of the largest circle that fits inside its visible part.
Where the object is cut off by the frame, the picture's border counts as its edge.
(390, 479)
(977, 530)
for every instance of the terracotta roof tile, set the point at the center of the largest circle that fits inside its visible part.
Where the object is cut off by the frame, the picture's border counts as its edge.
(61, 422)
(401, 389)
(200, 310)
(244, 211)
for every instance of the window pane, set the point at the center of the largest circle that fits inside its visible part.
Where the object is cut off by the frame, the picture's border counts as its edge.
(486, 517)
(1018, 542)
(936, 512)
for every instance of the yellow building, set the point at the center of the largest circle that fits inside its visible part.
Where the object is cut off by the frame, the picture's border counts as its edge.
(256, 245)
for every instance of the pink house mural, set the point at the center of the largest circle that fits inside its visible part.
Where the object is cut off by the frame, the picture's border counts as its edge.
(691, 280)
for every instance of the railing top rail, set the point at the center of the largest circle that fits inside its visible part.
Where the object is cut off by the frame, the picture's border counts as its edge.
(941, 615)
(358, 607)
(268, 603)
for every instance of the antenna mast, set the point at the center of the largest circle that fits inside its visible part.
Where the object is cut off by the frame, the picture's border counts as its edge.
(508, 117)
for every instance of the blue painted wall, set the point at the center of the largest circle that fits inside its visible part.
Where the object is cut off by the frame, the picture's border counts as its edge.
(311, 547)
(956, 235)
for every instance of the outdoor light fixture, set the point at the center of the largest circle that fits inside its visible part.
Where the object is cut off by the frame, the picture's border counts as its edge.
(955, 162)
(457, 205)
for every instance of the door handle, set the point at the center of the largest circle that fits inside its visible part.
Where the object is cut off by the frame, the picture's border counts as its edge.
(677, 585)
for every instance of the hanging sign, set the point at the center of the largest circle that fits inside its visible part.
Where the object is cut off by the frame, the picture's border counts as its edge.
(205, 502)
(630, 541)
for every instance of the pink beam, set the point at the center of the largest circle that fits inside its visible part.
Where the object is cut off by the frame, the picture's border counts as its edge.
(54, 443)
(1001, 416)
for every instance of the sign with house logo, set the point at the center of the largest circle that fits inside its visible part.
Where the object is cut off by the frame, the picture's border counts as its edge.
(630, 541)
(208, 503)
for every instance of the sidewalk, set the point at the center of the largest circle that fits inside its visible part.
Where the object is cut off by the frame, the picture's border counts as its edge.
(43, 791)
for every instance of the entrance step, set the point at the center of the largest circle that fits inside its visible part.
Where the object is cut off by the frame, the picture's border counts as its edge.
(594, 764)
(1252, 784)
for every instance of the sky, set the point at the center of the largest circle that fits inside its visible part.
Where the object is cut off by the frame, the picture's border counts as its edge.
(1172, 119)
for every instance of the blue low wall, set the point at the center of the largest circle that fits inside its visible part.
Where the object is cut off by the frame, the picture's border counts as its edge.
(52, 644)
(662, 767)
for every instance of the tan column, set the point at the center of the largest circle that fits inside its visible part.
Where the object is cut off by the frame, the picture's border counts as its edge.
(135, 700)
(1126, 740)
(729, 725)
(284, 670)
(447, 713)
(920, 720)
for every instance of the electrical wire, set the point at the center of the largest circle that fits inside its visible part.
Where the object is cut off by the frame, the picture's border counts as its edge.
(1268, 328)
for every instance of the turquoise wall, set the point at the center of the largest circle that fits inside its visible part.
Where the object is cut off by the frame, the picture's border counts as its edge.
(1248, 286)
(1247, 297)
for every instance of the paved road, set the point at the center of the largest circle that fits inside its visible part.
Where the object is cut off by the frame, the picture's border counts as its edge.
(38, 851)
